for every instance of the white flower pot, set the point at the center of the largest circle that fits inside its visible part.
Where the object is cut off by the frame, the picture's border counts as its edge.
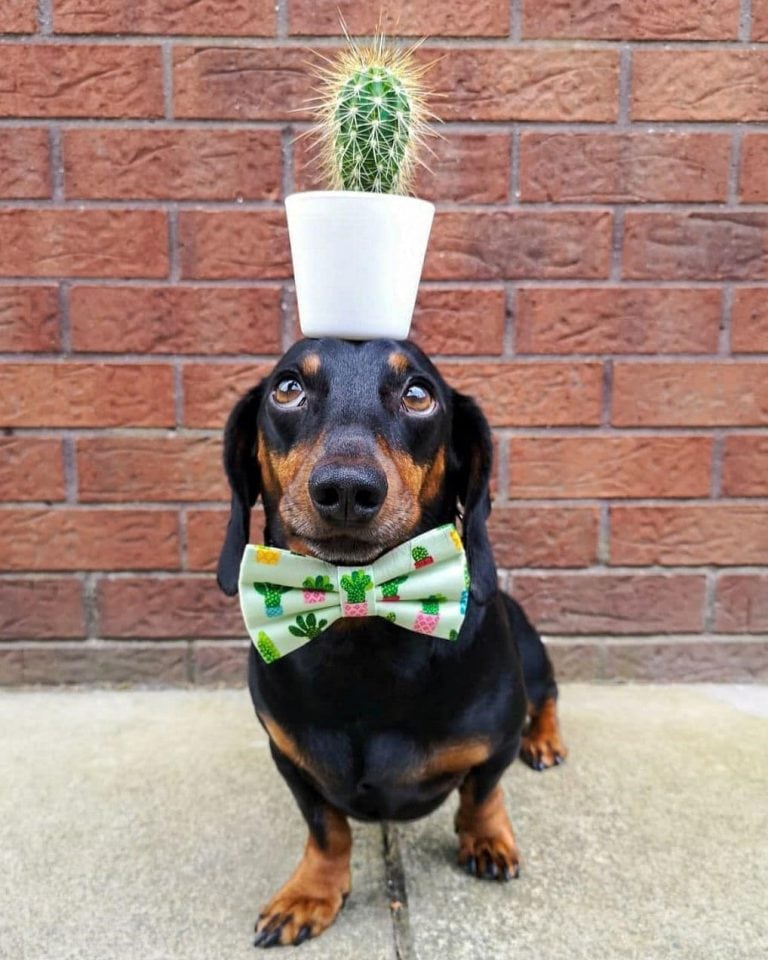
(357, 260)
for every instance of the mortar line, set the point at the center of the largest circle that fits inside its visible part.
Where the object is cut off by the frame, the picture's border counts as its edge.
(515, 21)
(167, 60)
(716, 476)
(402, 931)
(45, 17)
(733, 167)
(508, 335)
(282, 17)
(515, 191)
(65, 334)
(69, 468)
(57, 166)
(745, 20)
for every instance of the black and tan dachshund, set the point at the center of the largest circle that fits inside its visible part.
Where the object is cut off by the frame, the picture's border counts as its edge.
(355, 447)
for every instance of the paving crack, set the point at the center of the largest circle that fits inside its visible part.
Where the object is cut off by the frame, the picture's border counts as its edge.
(402, 932)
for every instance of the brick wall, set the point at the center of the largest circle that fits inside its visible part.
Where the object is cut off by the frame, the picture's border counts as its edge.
(598, 278)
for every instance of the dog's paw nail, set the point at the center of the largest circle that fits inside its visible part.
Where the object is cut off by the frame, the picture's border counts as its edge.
(470, 865)
(302, 935)
(505, 874)
(491, 870)
(273, 937)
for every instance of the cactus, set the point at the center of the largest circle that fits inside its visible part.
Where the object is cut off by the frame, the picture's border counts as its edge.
(371, 117)
(315, 588)
(421, 557)
(266, 648)
(271, 593)
(308, 626)
(355, 585)
(389, 589)
(428, 619)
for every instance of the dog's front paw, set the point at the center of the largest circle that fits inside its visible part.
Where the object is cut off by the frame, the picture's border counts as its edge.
(297, 913)
(542, 746)
(494, 857)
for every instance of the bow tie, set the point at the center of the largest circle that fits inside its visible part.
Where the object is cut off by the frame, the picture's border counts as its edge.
(288, 599)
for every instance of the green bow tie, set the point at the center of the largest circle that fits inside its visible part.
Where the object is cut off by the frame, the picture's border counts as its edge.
(288, 599)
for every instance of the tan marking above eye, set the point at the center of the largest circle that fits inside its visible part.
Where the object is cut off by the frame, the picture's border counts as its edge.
(310, 364)
(398, 361)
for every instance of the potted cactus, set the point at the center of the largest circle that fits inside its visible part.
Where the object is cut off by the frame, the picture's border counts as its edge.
(358, 248)
(355, 585)
(271, 592)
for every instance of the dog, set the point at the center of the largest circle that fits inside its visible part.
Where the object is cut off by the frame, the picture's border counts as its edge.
(354, 448)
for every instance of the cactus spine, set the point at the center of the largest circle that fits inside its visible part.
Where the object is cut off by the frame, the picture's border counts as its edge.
(371, 117)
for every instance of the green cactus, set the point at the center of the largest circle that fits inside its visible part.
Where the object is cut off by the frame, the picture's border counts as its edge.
(319, 582)
(432, 604)
(389, 589)
(421, 557)
(266, 648)
(371, 117)
(271, 593)
(308, 626)
(355, 585)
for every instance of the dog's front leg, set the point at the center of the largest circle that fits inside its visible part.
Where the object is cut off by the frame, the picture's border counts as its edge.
(309, 902)
(487, 845)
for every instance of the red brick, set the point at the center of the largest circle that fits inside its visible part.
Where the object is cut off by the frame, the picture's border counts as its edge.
(248, 18)
(613, 603)
(89, 539)
(24, 168)
(534, 83)
(18, 16)
(532, 394)
(753, 176)
(205, 535)
(86, 395)
(760, 19)
(719, 534)
(261, 83)
(699, 85)
(29, 319)
(461, 322)
(749, 323)
(115, 469)
(469, 83)
(528, 536)
(80, 80)
(203, 320)
(745, 466)
(212, 389)
(221, 663)
(688, 662)
(696, 246)
(31, 469)
(517, 244)
(409, 18)
(463, 168)
(741, 603)
(609, 466)
(690, 394)
(171, 607)
(630, 20)
(617, 320)
(224, 245)
(83, 243)
(174, 164)
(575, 661)
(624, 168)
(36, 609)
(152, 664)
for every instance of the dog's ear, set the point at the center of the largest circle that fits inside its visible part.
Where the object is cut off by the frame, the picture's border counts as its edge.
(473, 457)
(241, 465)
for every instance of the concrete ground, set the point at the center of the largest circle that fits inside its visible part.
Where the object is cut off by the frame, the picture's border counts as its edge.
(151, 825)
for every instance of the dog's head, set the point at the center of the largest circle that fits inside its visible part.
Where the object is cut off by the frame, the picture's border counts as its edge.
(355, 447)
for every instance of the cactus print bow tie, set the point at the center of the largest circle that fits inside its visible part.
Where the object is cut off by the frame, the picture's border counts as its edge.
(288, 599)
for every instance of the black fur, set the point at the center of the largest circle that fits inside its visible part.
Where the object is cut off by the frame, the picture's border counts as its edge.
(367, 701)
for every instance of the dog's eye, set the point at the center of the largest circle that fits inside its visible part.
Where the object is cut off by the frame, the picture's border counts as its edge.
(417, 398)
(288, 393)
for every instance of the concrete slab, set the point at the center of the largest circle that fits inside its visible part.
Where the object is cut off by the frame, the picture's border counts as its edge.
(651, 842)
(152, 826)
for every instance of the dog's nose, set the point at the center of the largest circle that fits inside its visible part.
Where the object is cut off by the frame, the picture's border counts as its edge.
(350, 493)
